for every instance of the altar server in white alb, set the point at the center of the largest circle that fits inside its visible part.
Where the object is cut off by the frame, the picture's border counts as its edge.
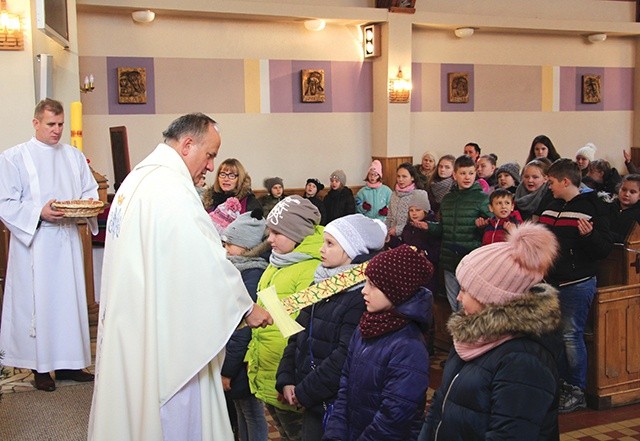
(170, 300)
(44, 319)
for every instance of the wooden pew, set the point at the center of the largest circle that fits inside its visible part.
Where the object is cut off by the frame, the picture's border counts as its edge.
(614, 345)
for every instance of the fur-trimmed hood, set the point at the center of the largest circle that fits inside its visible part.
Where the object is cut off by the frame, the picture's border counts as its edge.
(535, 313)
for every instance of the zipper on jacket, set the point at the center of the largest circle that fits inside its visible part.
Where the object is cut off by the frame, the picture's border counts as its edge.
(444, 401)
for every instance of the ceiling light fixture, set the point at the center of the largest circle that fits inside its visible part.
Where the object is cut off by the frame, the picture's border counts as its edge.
(143, 16)
(315, 24)
(597, 38)
(464, 32)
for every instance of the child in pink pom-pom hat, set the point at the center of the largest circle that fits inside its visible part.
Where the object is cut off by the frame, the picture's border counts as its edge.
(225, 213)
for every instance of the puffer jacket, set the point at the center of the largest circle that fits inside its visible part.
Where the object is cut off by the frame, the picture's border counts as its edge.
(459, 211)
(267, 344)
(509, 392)
(339, 203)
(384, 381)
(377, 201)
(329, 326)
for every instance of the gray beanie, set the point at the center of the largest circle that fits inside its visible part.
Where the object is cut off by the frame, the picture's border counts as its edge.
(357, 234)
(270, 182)
(340, 176)
(247, 231)
(294, 217)
(420, 199)
(512, 168)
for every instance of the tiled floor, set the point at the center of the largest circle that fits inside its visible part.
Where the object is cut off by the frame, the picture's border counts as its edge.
(622, 423)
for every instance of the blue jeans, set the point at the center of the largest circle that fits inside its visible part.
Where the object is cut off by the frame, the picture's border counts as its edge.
(452, 287)
(252, 423)
(575, 301)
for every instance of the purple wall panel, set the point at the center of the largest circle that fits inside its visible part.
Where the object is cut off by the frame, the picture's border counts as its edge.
(352, 86)
(416, 90)
(567, 89)
(580, 71)
(280, 86)
(446, 106)
(298, 105)
(113, 63)
(617, 91)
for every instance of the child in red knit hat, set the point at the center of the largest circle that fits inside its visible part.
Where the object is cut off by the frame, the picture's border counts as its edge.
(386, 373)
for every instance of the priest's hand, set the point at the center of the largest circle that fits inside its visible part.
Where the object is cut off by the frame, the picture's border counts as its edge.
(49, 214)
(258, 318)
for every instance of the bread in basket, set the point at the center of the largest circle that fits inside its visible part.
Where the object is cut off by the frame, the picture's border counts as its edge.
(79, 207)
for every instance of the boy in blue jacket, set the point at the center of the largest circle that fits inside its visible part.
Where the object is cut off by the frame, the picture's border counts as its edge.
(386, 373)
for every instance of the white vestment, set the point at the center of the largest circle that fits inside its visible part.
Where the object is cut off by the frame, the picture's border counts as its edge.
(44, 317)
(170, 301)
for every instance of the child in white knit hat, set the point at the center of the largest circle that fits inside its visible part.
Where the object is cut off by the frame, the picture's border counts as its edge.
(584, 156)
(500, 380)
(309, 372)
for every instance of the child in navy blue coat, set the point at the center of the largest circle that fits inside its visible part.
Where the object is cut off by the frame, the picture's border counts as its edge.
(386, 373)
(243, 240)
(309, 372)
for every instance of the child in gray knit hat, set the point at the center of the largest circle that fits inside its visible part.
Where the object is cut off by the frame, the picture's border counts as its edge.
(275, 193)
(508, 176)
(243, 240)
(339, 201)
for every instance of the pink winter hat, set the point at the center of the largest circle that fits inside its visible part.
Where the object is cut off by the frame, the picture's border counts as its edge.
(499, 273)
(225, 213)
(376, 166)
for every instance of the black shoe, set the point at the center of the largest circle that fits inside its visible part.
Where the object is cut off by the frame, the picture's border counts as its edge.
(74, 375)
(44, 381)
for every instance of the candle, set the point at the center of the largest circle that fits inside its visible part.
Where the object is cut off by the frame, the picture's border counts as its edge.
(76, 124)
(91, 79)
(86, 82)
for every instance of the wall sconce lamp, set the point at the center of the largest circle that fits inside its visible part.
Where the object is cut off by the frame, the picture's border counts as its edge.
(464, 32)
(11, 38)
(371, 41)
(314, 25)
(399, 89)
(146, 16)
(87, 84)
(597, 38)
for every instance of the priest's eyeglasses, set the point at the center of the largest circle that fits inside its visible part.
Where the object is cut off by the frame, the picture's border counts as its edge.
(231, 176)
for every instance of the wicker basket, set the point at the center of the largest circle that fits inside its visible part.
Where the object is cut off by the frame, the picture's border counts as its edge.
(79, 207)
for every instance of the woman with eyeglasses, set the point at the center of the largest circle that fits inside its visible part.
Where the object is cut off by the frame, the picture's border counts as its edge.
(232, 180)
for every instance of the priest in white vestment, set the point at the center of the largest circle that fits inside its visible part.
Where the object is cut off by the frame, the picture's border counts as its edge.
(44, 317)
(170, 300)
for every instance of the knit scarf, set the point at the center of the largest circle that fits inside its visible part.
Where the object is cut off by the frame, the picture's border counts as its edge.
(375, 324)
(441, 188)
(528, 202)
(374, 185)
(470, 350)
(282, 260)
(244, 263)
(407, 189)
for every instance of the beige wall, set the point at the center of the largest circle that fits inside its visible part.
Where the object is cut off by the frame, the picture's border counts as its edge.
(509, 134)
(297, 146)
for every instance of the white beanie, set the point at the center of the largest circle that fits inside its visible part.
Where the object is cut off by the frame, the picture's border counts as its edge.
(357, 234)
(588, 151)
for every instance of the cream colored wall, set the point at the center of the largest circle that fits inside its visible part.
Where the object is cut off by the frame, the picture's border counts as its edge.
(294, 146)
(509, 134)
(297, 146)
(17, 85)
